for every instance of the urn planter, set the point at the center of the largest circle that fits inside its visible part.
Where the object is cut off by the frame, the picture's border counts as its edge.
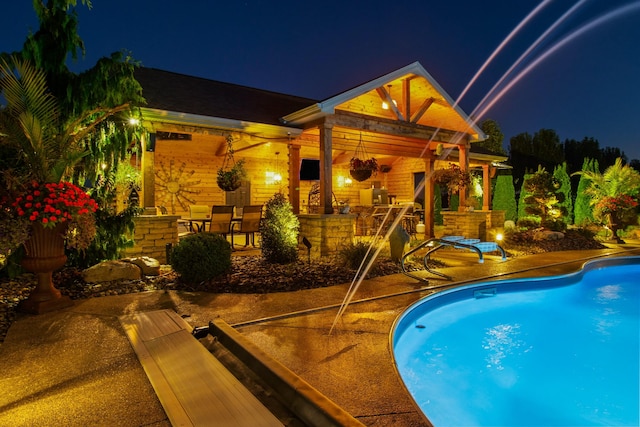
(44, 253)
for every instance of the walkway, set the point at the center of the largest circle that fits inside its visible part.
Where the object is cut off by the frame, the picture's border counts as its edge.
(77, 368)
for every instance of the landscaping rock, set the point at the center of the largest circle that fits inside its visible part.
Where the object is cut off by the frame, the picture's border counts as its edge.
(149, 266)
(398, 240)
(108, 271)
(548, 235)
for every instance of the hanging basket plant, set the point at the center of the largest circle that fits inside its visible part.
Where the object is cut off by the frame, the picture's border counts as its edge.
(362, 166)
(453, 178)
(232, 173)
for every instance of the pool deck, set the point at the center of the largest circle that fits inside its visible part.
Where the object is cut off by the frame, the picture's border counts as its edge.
(76, 367)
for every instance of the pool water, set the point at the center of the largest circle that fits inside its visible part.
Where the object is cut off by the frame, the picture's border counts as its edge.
(561, 351)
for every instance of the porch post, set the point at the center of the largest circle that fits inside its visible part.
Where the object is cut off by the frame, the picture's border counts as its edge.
(463, 150)
(294, 177)
(429, 199)
(326, 177)
(148, 174)
(486, 187)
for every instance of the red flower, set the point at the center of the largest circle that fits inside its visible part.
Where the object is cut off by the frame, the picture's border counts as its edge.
(51, 203)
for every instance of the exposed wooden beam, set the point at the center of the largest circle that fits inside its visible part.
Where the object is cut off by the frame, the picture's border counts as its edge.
(391, 127)
(423, 109)
(386, 97)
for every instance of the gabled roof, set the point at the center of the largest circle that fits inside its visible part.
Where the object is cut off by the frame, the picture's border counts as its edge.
(443, 111)
(181, 99)
(179, 93)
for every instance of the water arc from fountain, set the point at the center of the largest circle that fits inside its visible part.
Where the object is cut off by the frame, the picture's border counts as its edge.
(361, 273)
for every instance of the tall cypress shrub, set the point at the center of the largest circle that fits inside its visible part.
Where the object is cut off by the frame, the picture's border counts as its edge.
(583, 210)
(561, 175)
(437, 205)
(523, 195)
(504, 197)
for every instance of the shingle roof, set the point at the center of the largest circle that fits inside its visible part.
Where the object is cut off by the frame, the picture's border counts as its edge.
(165, 90)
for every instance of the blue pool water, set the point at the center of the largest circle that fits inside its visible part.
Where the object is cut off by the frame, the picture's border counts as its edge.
(560, 351)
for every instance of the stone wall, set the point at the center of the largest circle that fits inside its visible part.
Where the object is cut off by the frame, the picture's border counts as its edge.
(472, 225)
(326, 233)
(152, 234)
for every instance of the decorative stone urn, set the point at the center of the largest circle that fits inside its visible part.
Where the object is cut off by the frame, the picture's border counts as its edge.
(44, 253)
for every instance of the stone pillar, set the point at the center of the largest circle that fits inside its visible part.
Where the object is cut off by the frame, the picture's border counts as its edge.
(326, 233)
(151, 236)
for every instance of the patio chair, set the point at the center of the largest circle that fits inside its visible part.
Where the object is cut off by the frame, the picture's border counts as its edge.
(198, 212)
(249, 224)
(221, 217)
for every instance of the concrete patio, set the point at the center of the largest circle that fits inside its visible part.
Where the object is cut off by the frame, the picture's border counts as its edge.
(75, 367)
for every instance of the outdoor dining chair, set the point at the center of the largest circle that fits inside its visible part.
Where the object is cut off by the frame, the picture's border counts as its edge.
(249, 224)
(197, 212)
(221, 217)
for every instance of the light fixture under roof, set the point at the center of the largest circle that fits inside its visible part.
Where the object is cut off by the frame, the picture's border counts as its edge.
(385, 104)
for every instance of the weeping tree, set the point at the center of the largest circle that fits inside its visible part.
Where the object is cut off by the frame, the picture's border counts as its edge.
(107, 86)
(105, 96)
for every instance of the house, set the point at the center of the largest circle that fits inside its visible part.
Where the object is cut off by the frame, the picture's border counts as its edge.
(403, 119)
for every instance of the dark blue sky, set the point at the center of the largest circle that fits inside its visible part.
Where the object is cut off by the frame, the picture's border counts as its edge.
(589, 87)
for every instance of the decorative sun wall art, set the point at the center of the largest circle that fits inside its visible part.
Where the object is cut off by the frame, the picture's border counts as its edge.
(174, 187)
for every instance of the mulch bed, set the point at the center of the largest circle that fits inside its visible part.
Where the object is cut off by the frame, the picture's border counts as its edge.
(250, 274)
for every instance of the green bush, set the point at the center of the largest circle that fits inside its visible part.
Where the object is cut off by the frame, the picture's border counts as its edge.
(279, 231)
(201, 257)
(528, 222)
(113, 236)
(352, 254)
(504, 197)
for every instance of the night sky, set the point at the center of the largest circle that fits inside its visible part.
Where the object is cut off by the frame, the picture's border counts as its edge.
(586, 87)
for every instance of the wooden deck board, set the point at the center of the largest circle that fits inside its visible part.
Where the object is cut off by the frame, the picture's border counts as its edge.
(192, 385)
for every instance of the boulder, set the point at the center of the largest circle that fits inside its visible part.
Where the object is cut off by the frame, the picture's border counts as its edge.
(108, 271)
(548, 235)
(149, 266)
(398, 240)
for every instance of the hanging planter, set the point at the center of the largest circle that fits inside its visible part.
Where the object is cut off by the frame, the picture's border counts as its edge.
(232, 173)
(362, 166)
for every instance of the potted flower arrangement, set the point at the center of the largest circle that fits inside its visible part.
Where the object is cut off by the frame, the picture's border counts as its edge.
(232, 173)
(362, 170)
(453, 178)
(39, 209)
(43, 219)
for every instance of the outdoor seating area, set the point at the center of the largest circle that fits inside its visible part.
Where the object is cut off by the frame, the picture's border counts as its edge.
(371, 219)
(226, 220)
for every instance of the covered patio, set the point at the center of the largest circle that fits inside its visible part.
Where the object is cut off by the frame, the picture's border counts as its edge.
(403, 119)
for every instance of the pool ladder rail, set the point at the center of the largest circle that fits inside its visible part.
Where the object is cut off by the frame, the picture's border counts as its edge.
(458, 242)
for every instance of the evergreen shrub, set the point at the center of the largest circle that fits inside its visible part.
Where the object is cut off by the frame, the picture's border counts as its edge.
(200, 257)
(279, 231)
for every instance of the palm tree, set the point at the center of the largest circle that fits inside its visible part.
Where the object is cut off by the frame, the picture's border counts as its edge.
(614, 195)
(45, 146)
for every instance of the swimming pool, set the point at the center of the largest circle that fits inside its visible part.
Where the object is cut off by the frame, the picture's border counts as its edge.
(558, 351)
